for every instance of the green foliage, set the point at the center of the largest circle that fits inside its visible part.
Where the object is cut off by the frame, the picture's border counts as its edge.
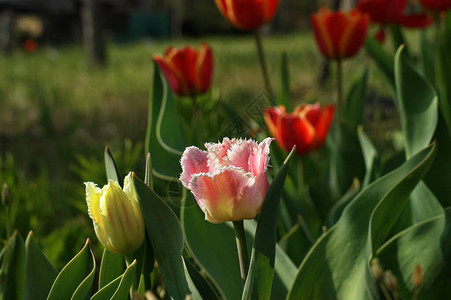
(426, 245)
(164, 231)
(118, 288)
(76, 278)
(39, 272)
(165, 144)
(111, 267)
(338, 264)
(261, 269)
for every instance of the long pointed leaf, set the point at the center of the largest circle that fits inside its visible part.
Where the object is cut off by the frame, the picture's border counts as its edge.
(417, 105)
(338, 264)
(13, 286)
(166, 236)
(426, 245)
(112, 173)
(163, 137)
(118, 288)
(261, 270)
(111, 267)
(39, 272)
(73, 275)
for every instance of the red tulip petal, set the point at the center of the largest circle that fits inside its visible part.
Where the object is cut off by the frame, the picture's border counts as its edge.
(382, 11)
(312, 113)
(269, 9)
(437, 5)
(323, 124)
(295, 131)
(271, 115)
(204, 68)
(354, 34)
(415, 21)
(184, 60)
(380, 36)
(322, 35)
(173, 76)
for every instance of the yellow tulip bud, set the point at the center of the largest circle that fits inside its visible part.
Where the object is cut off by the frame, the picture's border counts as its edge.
(116, 215)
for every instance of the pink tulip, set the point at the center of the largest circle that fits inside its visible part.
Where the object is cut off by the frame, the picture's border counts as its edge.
(228, 180)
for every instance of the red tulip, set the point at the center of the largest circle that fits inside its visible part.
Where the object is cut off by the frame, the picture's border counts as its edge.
(306, 127)
(188, 72)
(339, 34)
(386, 12)
(248, 14)
(437, 5)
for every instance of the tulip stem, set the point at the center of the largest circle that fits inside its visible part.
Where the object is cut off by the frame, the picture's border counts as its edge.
(261, 56)
(339, 89)
(196, 121)
(243, 257)
(439, 71)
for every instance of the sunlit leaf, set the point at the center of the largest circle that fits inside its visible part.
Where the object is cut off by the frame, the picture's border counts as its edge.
(75, 279)
(112, 173)
(166, 236)
(111, 267)
(163, 137)
(426, 245)
(39, 272)
(338, 264)
(261, 268)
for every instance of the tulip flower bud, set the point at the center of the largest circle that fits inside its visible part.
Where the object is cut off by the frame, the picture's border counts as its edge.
(417, 276)
(116, 215)
(377, 270)
(306, 127)
(188, 72)
(249, 14)
(6, 196)
(339, 34)
(436, 5)
(390, 281)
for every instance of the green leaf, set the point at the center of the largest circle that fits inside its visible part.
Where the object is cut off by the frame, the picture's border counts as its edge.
(417, 104)
(427, 53)
(165, 234)
(163, 137)
(438, 178)
(383, 60)
(207, 242)
(75, 279)
(261, 269)
(13, 286)
(418, 108)
(370, 157)
(112, 173)
(199, 280)
(39, 272)
(346, 159)
(192, 287)
(425, 244)
(339, 206)
(354, 111)
(213, 247)
(118, 288)
(338, 264)
(111, 267)
(398, 38)
(284, 94)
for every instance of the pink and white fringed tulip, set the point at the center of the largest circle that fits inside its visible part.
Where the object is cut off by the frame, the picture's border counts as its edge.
(228, 180)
